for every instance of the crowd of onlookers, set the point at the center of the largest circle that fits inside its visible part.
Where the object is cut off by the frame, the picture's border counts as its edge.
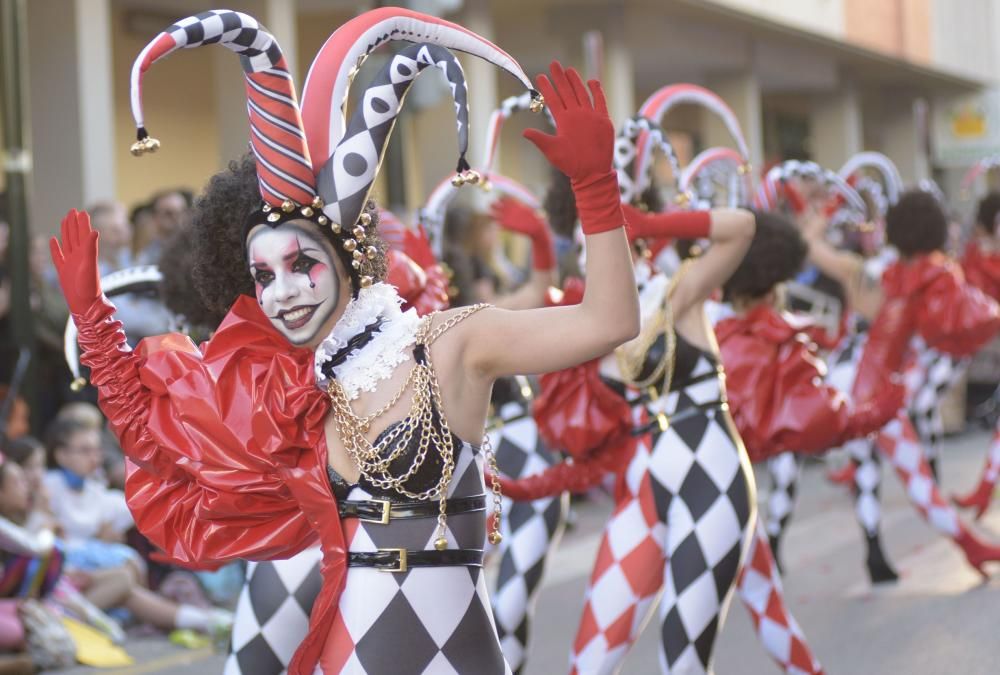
(68, 546)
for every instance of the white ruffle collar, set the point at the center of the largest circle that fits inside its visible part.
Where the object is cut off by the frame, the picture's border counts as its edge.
(375, 361)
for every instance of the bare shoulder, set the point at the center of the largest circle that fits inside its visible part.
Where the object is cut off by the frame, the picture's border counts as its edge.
(457, 321)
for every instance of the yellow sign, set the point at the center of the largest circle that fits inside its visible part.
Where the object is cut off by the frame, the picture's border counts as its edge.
(969, 122)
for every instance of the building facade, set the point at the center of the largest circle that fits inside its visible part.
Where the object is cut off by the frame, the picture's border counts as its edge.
(817, 79)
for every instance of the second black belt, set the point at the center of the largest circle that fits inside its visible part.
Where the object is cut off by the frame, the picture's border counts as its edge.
(400, 559)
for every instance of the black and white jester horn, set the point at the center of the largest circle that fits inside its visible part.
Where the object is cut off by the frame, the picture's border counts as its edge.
(346, 155)
(346, 179)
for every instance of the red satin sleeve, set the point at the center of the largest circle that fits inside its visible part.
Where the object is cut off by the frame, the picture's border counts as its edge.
(199, 482)
(778, 399)
(955, 317)
(982, 270)
(576, 476)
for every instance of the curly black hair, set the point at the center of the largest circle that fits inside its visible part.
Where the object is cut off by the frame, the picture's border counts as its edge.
(178, 286)
(776, 254)
(987, 212)
(219, 269)
(916, 224)
(651, 200)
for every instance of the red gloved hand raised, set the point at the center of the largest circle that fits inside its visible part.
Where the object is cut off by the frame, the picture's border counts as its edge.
(515, 216)
(76, 262)
(673, 225)
(582, 147)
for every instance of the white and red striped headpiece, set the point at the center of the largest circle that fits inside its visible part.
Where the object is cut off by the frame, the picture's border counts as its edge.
(313, 161)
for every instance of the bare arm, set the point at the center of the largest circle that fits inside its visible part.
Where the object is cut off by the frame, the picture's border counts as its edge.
(864, 295)
(731, 231)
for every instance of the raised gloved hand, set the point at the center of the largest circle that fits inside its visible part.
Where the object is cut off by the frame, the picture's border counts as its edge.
(582, 147)
(518, 217)
(673, 225)
(76, 261)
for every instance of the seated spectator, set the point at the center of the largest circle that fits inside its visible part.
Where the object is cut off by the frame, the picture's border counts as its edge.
(29, 453)
(92, 518)
(171, 209)
(110, 221)
(107, 587)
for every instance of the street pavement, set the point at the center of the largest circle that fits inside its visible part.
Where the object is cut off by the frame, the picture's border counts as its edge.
(941, 618)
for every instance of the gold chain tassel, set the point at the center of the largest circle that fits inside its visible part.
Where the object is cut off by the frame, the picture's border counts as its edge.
(491, 460)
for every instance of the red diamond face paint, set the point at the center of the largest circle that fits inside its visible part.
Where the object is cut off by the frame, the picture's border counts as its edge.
(295, 279)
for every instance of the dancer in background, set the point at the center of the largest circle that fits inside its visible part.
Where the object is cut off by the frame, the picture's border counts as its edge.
(921, 294)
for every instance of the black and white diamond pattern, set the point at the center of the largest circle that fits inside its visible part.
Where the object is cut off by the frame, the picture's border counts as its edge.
(437, 619)
(272, 614)
(927, 381)
(346, 179)
(784, 472)
(703, 486)
(530, 529)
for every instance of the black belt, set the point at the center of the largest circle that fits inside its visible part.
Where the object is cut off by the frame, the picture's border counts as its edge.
(381, 511)
(663, 420)
(400, 560)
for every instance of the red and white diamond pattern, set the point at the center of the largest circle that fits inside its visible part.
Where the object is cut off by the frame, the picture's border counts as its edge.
(898, 443)
(759, 588)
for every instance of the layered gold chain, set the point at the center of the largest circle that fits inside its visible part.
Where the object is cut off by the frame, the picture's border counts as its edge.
(374, 460)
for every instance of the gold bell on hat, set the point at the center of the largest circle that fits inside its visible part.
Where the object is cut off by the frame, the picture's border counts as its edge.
(366, 219)
(441, 543)
(144, 146)
(458, 180)
(495, 538)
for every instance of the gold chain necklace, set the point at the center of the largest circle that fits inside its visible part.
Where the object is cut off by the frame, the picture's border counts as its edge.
(374, 459)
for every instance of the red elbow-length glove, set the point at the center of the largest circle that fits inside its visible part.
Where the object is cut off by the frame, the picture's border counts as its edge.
(515, 216)
(670, 225)
(582, 147)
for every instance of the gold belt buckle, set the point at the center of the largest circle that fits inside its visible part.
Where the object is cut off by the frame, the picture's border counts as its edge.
(384, 518)
(401, 567)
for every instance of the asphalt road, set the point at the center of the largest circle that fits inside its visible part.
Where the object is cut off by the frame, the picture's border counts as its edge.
(941, 618)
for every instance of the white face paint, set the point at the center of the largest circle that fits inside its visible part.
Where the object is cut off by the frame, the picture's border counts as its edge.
(295, 279)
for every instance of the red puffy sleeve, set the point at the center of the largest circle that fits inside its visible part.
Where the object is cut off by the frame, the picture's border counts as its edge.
(953, 316)
(982, 270)
(207, 435)
(774, 382)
